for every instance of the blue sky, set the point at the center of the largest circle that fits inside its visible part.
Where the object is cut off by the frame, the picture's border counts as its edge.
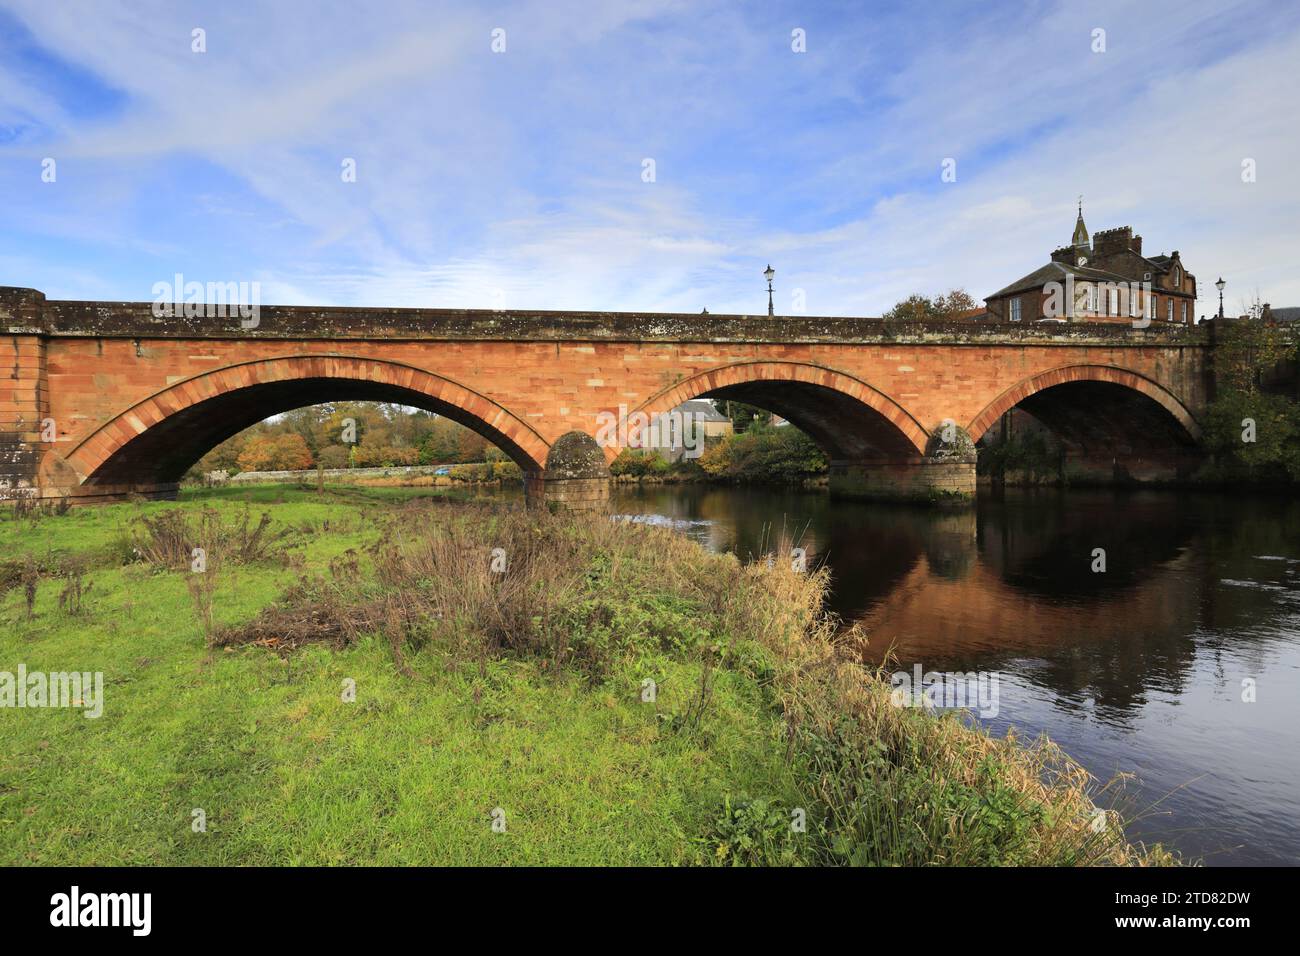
(516, 178)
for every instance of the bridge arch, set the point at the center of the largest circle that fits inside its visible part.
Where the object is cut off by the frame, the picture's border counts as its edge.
(848, 418)
(1115, 384)
(158, 439)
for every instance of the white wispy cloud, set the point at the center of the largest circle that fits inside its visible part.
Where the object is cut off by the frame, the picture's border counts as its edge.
(515, 178)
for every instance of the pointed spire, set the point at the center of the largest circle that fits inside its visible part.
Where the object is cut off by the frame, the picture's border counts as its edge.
(1080, 239)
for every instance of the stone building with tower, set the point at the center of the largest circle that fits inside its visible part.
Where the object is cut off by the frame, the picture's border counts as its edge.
(1102, 278)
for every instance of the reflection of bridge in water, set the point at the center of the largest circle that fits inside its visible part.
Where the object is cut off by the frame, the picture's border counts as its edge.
(1007, 583)
(978, 588)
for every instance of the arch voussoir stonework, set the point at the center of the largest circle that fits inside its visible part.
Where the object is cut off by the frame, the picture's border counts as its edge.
(1083, 373)
(112, 436)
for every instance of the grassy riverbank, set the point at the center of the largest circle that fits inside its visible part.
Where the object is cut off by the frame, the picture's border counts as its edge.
(518, 692)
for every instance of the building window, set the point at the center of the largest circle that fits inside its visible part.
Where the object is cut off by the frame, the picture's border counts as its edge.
(1015, 309)
(1178, 277)
(1132, 301)
(1112, 305)
(1090, 298)
(1151, 305)
(1184, 313)
(1171, 310)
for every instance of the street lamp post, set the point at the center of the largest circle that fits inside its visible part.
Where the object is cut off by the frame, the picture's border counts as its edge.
(769, 272)
(1219, 285)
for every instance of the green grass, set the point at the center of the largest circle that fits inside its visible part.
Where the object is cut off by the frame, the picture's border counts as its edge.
(287, 772)
(477, 693)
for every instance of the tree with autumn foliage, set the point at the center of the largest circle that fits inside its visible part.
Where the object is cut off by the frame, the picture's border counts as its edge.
(348, 434)
(287, 451)
(955, 304)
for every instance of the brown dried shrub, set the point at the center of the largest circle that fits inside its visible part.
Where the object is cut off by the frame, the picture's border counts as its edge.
(167, 540)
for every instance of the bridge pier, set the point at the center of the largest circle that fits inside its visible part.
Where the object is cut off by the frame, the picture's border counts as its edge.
(20, 458)
(24, 393)
(576, 476)
(920, 480)
(108, 494)
(945, 474)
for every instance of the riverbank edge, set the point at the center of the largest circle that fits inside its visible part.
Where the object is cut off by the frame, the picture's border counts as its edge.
(422, 476)
(846, 718)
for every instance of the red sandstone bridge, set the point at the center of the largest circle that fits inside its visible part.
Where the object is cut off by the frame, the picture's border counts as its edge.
(103, 400)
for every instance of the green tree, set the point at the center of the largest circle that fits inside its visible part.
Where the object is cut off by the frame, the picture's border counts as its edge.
(764, 453)
(745, 416)
(1252, 433)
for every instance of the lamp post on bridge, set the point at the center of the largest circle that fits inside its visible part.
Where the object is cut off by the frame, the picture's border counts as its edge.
(769, 272)
(1219, 285)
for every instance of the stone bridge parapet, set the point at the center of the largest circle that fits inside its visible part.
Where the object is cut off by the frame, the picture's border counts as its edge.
(103, 399)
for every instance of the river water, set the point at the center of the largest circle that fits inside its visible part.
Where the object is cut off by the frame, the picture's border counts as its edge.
(1180, 663)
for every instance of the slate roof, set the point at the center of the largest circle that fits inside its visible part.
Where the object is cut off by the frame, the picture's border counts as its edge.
(1056, 272)
(701, 411)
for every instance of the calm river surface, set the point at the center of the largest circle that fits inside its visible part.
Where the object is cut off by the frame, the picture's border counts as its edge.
(1139, 669)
